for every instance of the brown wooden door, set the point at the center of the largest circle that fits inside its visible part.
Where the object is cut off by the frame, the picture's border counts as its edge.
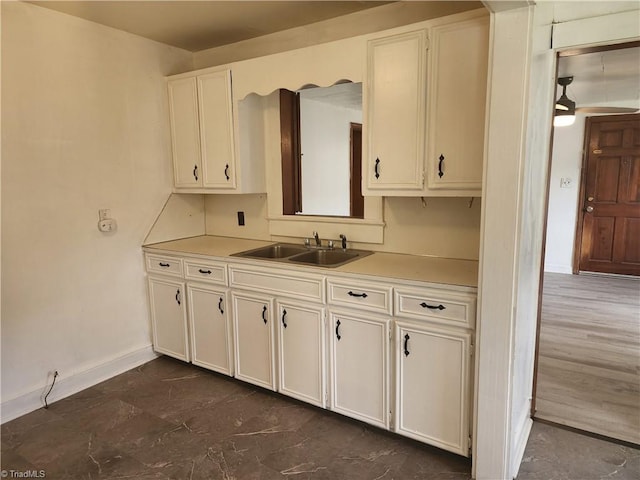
(610, 210)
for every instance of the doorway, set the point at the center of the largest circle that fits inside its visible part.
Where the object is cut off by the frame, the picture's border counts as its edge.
(588, 349)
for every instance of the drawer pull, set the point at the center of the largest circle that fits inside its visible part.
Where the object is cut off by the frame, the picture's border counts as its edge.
(195, 172)
(406, 344)
(360, 295)
(440, 160)
(376, 169)
(220, 306)
(164, 265)
(284, 314)
(338, 330)
(226, 171)
(264, 314)
(432, 307)
(207, 272)
(178, 296)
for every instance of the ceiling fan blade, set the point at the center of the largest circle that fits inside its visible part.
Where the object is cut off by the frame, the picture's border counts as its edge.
(606, 110)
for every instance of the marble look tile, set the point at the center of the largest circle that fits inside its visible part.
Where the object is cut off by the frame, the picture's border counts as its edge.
(554, 453)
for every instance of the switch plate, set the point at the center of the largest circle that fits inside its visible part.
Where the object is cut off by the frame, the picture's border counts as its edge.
(241, 219)
(566, 182)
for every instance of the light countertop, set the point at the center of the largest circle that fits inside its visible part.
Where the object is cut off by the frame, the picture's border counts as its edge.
(381, 264)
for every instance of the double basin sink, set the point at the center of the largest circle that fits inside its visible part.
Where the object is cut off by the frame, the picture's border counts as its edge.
(321, 257)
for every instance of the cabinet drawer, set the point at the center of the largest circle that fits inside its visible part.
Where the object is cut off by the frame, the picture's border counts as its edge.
(164, 264)
(291, 284)
(203, 271)
(365, 296)
(447, 308)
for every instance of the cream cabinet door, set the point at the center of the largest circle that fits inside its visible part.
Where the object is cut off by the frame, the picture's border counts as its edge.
(395, 103)
(216, 130)
(457, 98)
(168, 317)
(301, 352)
(253, 339)
(432, 391)
(185, 132)
(359, 366)
(209, 322)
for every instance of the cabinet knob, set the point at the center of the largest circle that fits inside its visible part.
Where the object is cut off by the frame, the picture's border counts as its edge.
(589, 209)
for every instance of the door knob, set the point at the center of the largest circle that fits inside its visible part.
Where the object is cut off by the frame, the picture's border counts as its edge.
(589, 199)
(589, 209)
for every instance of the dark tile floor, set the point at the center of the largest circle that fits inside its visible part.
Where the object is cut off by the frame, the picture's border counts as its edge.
(167, 419)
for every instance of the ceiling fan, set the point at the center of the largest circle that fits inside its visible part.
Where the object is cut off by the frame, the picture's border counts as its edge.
(565, 109)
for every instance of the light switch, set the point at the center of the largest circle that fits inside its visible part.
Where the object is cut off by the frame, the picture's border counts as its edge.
(566, 182)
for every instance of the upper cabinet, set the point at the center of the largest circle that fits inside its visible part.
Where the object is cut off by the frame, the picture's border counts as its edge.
(202, 133)
(425, 100)
(457, 98)
(395, 100)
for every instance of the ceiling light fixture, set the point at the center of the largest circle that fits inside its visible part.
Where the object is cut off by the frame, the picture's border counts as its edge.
(565, 111)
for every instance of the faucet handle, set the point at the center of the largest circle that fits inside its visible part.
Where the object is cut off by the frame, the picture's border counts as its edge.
(330, 244)
(307, 242)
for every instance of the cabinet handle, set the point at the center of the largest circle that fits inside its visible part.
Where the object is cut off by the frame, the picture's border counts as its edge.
(284, 314)
(208, 272)
(226, 171)
(195, 172)
(338, 330)
(220, 306)
(377, 168)
(178, 296)
(164, 265)
(264, 314)
(406, 344)
(440, 172)
(432, 307)
(361, 295)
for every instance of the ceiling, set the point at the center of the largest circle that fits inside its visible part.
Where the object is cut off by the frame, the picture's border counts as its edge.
(609, 78)
(198, 25)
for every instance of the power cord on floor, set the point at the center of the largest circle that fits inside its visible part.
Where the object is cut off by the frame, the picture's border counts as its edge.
(55, 375)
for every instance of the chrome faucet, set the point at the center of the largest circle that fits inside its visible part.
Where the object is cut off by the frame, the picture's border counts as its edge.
(344, 241)
(318, 242)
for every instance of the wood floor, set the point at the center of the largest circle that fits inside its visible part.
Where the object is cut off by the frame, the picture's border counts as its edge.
(589, 358)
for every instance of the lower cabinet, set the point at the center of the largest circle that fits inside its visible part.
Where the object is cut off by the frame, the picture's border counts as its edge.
(359, 366)
(253, 339)
(433, 385)
(168, 317)
(209, 322)
(301, 348)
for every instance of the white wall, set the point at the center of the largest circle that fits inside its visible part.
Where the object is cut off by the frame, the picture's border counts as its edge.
(325, 146)
(566, 162)
(85, 126)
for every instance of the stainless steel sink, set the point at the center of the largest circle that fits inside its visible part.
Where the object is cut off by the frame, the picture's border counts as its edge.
(276, 251)
(321, 257)
(325, 258)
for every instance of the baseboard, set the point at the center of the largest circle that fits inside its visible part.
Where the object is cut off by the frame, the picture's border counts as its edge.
(66, 386)
(554, 268)
(518, 452)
